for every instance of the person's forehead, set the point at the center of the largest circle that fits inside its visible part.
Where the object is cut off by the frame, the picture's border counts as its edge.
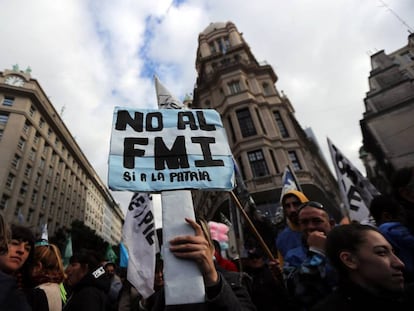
(374, 239)
(309, 211)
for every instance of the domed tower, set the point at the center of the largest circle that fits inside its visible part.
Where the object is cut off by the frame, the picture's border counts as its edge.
(262, 130)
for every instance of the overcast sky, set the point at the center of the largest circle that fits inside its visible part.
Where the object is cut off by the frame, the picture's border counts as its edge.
(90, 56)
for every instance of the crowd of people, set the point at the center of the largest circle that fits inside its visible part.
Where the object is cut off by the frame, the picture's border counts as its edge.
(320, 265)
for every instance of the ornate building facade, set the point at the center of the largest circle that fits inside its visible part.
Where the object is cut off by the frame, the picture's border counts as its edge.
(44, 175)
(260, 122)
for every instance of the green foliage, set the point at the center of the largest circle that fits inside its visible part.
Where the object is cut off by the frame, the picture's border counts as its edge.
(84, 237)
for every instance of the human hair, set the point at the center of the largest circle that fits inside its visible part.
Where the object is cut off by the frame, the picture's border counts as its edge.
(348, 237)
(24, 234)
(381, 204)
(86, 257)
(52, 266)
(4, 235)
(401, 179)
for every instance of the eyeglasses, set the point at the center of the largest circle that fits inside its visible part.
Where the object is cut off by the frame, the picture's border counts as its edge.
(313, 204)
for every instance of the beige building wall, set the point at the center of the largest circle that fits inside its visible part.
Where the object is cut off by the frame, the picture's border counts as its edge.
(262, 130)
(44, 176)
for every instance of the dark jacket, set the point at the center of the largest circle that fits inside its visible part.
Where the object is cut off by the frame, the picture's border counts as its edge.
(230, 294)
(267, 293)
(351, 297)
(11, 298)
(90, 294)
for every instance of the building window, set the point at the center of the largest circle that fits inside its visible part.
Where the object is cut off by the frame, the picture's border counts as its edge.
(280, 124)
(29, 215)
(234, 87)
(8, 101)
(4, 201)
(23, 189)
(27, 171)
(1, 133)
(246, 123)
(42, 164)
(295, 160)
(34, 196)
(26, 127)
(16, 161)
(41, 123)
(407, 57)
(32, 111)
(266, 88)
(32, 154)
(44, 200)
(212, 47)
(49, 133)
(258, 163)
(21, 143)
(9, 181)
(4, 117)
(36, 139)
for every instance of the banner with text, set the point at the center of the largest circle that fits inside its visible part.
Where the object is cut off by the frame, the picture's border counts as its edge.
(169, 149)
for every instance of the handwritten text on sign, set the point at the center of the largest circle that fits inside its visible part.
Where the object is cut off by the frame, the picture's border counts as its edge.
(169, 149)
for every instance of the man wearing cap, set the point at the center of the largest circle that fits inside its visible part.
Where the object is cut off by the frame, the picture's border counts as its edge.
(308, 275)
(291, 236)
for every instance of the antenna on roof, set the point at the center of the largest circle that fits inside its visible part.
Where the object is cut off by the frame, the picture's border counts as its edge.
(410, 29)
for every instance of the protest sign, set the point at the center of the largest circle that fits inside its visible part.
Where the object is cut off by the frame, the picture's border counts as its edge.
(169, 149)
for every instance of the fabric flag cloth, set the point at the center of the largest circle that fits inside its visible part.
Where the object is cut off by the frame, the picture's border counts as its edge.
(110, 254)
(140, 239)
(45, 234)
(165, 99)
(356, 190)
(68, 251)
(180, 275)
(289, 182)
(123, 261)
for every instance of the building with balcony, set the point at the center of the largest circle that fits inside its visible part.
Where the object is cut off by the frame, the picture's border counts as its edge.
(388, 122)
(260, 122)
(44, 175)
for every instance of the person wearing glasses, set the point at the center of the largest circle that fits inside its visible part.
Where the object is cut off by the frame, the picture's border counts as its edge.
(308, 276)
(370, 273)
(291, 236)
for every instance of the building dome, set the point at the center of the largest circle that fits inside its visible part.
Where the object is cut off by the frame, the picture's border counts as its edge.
(214, 26)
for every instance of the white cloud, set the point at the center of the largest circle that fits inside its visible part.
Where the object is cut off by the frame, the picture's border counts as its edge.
(86, 56)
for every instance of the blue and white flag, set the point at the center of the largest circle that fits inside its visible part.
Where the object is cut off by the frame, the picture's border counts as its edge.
(289, 182)
(356, 190)
(141, 241)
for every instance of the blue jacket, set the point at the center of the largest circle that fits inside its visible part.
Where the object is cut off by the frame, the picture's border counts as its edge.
(309, 277)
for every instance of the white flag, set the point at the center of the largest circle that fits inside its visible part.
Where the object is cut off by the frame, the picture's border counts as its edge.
(356, 190)
(165, 99)
(141, 241)
(180, 276)
(45, 234)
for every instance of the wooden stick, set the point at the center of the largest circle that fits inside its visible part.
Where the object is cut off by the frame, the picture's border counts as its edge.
(252, 227)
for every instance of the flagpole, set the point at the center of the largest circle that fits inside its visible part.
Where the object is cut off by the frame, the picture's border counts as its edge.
(252, 227)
